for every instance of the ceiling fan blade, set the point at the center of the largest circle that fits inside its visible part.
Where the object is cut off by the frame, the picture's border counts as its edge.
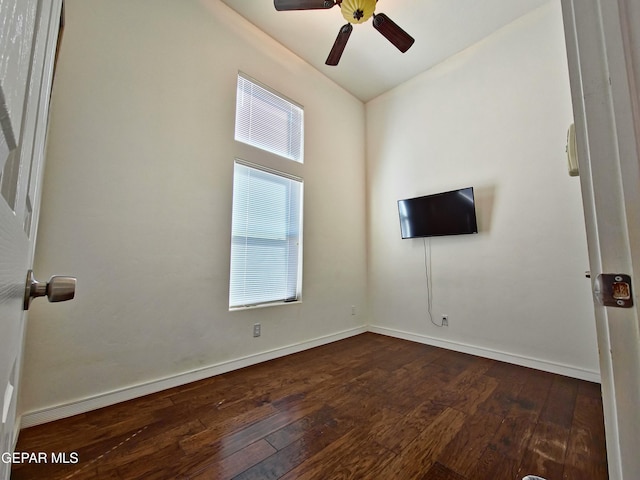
(392, 32)
(282, 5)
(339, 44)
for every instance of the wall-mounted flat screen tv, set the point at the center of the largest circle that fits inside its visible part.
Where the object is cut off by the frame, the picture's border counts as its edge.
(446, 213)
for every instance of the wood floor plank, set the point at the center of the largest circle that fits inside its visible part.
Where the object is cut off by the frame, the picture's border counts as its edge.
(584, 456)
(79, 431)
(160, 464)
(237, 417)
(588, 416)
(236, 463)
(560, 402)
(586, 453)
(399, 434)
(351, 456)
(441, 472)
(313, 441)
(357, 454)
(467, 395)
(508, 372)
(464, 451)
(533, 395)
(147, 441)
(324, 416)
(595, 470)
(224, 445)
(37, 471)
(493, 465)
(546, 451)
(513, 436)
(365, 407)
(420, 455)
(503, 398)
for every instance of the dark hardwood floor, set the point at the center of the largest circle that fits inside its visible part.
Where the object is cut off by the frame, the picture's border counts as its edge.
(369, 407)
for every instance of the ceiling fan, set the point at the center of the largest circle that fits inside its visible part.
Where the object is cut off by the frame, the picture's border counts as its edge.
(354, 11)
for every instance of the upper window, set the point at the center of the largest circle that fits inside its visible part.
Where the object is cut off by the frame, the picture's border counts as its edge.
(267, 120)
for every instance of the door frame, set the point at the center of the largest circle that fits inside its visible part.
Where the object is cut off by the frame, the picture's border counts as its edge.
(603, 50)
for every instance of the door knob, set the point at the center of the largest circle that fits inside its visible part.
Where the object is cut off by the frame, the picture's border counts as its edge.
(57, 289)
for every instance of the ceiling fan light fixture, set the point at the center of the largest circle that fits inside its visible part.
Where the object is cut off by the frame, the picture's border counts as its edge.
(357, 11)
(354, 11)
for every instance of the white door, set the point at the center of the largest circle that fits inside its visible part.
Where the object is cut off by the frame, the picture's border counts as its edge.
(28, 38)
(603, 47)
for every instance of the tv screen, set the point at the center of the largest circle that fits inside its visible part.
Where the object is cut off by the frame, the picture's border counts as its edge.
(447, 213)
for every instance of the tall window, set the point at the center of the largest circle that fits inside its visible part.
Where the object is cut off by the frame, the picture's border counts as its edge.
(265, 246)
(266, 230)
(269, 121)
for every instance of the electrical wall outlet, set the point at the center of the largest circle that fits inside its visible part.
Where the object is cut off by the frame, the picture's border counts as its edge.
(353, 309)
(445, 320)
(256, 330)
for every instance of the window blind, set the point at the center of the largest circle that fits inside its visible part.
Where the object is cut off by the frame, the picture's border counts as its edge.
(265, 246)
(266, 120)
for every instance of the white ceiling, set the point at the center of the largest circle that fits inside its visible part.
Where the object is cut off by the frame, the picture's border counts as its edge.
(370, 64)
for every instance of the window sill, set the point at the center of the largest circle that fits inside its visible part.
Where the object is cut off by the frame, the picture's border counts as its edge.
(263, 305)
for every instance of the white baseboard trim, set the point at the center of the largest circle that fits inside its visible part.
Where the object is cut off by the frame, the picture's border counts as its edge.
(544, 365)
(58, 412)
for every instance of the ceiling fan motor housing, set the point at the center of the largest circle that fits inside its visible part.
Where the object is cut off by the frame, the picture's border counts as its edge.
(357, 11)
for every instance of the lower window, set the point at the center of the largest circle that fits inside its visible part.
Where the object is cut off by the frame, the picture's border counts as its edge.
(266, 247)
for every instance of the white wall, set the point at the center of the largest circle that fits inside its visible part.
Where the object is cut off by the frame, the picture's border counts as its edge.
(494, 117)
(137, 200)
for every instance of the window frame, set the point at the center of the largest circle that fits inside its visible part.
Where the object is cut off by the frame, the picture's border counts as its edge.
(266, 160)
(283, 104)
(260, 240)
